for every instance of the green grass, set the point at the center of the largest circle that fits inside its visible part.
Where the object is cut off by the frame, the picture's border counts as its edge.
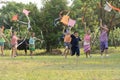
(59, 68)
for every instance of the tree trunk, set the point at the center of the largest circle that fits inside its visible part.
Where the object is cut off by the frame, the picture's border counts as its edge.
(48, 48)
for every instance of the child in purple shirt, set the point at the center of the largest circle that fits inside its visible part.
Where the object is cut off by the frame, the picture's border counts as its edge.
(103, 38)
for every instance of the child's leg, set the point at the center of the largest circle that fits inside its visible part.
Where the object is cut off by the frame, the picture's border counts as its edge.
(86, 54)
(12, 52)
(25, 51)
(106, 52)
(73, 51)
(15, 52)
(2, 50)
(77, 52)
(31, 53)
(67, 51)
(106, 48)
(65, 48)
(64, 52)
(89, 53)
(102, 47)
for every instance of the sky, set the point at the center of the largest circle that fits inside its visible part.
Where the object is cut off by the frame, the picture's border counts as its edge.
(37, 2)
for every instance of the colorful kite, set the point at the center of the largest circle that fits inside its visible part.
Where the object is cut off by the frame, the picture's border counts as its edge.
(26, 12)
(71, 22)
(15, 17)
(65, 20)
(109, 7)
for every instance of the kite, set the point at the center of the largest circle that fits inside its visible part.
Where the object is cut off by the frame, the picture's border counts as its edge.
(109, 7)
(26, 12)
(65, 20)
(15, 17)
(71, 22)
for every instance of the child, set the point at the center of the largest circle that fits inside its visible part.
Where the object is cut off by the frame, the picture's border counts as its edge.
(87, 41)
(75, 48)
(14, 44)
(2, 41)
(32, 43)
(67, 40)
(103, 38)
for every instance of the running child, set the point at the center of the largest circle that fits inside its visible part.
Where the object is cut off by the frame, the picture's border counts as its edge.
(14, 44)
(67, 40)
(2, 41)
(75, 48)
(87, 41)
(32, 43)
(103, 38)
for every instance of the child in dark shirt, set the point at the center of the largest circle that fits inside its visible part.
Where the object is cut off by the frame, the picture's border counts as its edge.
(75, 48)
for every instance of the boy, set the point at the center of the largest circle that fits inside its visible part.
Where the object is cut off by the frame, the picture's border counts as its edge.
(67, 40)
(75, 48)
(32, 43)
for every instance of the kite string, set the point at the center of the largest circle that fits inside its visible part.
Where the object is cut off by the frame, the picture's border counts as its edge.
(27, 31)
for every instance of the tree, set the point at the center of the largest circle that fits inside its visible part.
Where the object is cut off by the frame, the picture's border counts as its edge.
(13, 8)
(48, 13)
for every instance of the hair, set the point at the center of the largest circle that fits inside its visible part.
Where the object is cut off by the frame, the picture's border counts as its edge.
(32, 33)
(104, 23)
(75, 32)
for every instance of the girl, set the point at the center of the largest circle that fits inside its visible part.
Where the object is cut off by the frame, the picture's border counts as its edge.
(14, 43)
(32, 43)
(103, 38)
(87, 41)
(2, 41)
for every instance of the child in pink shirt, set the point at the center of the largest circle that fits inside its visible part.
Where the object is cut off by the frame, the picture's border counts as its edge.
(87, 41)
(14, 44)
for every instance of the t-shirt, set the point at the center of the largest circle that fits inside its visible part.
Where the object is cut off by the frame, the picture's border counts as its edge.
(87, 39)
(32, 40)
(1, 37)
(103, 36)
(75, 41)
(67, 38)
(14, 40)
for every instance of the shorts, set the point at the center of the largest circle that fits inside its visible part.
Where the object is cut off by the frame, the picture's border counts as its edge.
(103, 45)
(14, 45)
(1, 43)
(67, 45)
(31, 47)
(75, 50)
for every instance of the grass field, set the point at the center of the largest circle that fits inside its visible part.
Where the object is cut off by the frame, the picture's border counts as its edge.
(58, 68)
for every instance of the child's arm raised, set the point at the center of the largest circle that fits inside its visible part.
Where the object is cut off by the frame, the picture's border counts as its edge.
(105, 28)
(85, 27)
(38, 39)
(5, 37)
(101, 26)
(101, 23)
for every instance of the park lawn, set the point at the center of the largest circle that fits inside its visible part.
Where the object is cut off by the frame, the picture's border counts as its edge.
(51, 67)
